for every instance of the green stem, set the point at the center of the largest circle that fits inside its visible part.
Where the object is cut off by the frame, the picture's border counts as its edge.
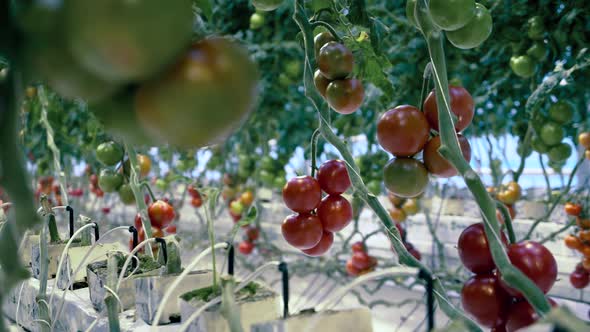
(146, 185)
(51, 144)
(209, 207)
(451, 151)
(360, 189)
(314, 151)
(110, 300)
(326, 25)
(53, 232)
(507, 221)
(139, 200)
(559, 231)
(525, 145)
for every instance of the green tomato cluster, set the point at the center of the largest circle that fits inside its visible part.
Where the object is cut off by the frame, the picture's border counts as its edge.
(467, 23)
(112, 178)
(524, 62)
(550, 133)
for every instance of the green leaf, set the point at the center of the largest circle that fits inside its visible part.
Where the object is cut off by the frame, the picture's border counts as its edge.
(205, 7)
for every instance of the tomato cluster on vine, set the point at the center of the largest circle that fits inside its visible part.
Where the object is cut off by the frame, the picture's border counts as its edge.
(336, 62)
(508, 194)
(579, 241)
(524, 61)
(360, 262)
(161, 215)
(486, 296)
(249, 241)
(405, 131)
(549, 134)
(195, 196)
(584, 141)
(312, 228)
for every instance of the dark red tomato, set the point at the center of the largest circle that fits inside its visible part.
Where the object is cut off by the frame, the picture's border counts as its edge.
(345, 96)
(161, 214)
(358, 247)
(580, 279)
(405, 177)
(302, 231)
(252, 233)
(536, 262)
(137, 222)
(499, 328)
(361, 260)
(333, 177)
(322, 247)
(302, 194)
(474, 250)
(353, 271)
(403, 131)
(521, 314)
(171, 229)
(320, 40)
(106, 210)
(436, 164)
(320, 82)
(94, 180)
(413, 251)
(462, 106)
(484, 299)
(193, 191)
(335, 212)
(246, 247)
(335, 61)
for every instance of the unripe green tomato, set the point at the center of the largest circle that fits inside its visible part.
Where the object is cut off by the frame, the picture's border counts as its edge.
(284, 80)
(561, 112)
(294, 68)
(256, 21)
(279, 182)
(266, 177)
(538, 145)
(560, 152)
(109, 181)
(552, 133)
(109, 153)
(161, 184)
(451, 15)
(537, 51)
(475, 32)
(536, 28)
(374, 187)
(126, 194)
(522, 66)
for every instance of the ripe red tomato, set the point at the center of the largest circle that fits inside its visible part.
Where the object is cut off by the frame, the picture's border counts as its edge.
(335, 212)
(333, 177)
(335, 61)
(161, 214)
(196, 202)
(106, 210)
(474, 250)
(403, 131)
(171, 229)
(462, 106)
(573, 209)
(573, 242)
(536, 262)
(484, 299)
(302, 231)
(246, 247)
(193, 191)
(252, 233)
(353, 271)
(157, 233)
(302, 194)
(361, 260)
(413, 251)
(405, 177)
(214, 74)
(580, 279)
(358, 247)
(521, 314)
(322, 247)
(345, 96)
(436, 164)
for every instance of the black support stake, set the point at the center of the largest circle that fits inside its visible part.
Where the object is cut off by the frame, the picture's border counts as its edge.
(429, 298)
(134, 240)
(164, 248)
(231, 258)
(285, 273)
(71, 211)
(96, 232)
